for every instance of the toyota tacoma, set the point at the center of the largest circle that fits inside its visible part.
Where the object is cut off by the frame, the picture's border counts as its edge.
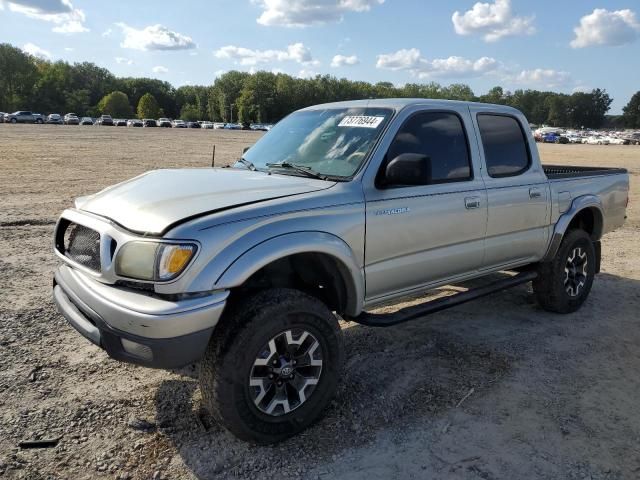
(339, 208)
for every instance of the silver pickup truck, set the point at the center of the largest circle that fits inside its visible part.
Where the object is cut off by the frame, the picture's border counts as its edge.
(339, 208)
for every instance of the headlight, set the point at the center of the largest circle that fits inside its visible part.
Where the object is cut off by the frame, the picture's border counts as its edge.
(153, 260)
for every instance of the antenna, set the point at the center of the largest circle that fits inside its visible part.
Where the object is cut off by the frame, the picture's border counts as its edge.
(213, 156)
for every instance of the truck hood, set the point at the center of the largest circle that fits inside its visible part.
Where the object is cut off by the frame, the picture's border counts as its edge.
(155, 201)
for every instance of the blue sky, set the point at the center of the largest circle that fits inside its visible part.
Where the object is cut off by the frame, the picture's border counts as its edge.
(559, 45)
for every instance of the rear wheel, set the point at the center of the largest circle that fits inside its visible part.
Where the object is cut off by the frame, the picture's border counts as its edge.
(272, 366)
(564, 284)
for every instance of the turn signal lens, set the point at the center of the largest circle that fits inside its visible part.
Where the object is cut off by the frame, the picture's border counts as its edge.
(173, 259)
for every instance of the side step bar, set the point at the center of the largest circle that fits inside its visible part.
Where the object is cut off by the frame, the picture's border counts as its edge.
(433, 306)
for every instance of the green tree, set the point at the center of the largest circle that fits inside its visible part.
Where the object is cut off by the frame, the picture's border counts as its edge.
(18, 77)
(115, 104)
(148, 107)
(163, 92)
(631, 112)
(190, 113)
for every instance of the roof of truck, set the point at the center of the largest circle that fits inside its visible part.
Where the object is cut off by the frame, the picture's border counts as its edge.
(400, 103)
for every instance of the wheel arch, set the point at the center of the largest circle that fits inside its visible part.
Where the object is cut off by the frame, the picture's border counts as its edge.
(585, 213)
(308, 257)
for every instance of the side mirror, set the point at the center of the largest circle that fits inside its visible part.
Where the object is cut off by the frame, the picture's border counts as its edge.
(408, 169)
(245, 150)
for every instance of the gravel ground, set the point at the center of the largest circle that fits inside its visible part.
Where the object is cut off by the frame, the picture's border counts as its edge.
(493, 389)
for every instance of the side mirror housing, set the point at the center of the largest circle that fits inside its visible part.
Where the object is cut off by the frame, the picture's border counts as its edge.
(408, 169)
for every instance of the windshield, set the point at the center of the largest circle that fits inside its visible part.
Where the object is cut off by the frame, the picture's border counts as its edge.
(332, 142)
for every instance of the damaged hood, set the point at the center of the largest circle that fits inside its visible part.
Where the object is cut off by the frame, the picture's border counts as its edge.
(156, 200)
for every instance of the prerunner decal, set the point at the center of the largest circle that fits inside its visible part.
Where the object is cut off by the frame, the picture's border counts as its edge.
(363, 121)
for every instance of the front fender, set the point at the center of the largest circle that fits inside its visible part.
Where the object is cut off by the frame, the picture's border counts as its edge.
(577, 205)
(288, 244)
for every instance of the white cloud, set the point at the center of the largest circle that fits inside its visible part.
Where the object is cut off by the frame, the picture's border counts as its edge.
(492, 20)
(123, 60)
(603, 27)
(296, 52)
(306, 73)
(542, 77)
(452, 67)
(62, 13)
(160, 69)
(343, 60)
(302, 13)
(107, 33)
(36, 51)
(581, 89)
(154, 37)
(69, 49)
(405, 59)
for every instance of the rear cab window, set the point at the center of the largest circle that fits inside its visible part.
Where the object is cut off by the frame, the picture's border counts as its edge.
(506, 150)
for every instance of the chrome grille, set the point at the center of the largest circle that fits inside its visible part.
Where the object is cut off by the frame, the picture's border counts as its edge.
(82, 245)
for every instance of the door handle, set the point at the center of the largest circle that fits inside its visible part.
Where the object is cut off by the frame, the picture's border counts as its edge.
(472, 202)
(535, 193)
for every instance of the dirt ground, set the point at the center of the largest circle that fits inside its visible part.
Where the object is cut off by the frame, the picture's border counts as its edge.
(494, 389)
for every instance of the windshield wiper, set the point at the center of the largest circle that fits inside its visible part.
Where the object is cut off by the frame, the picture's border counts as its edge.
(247, 164)
(308, 171)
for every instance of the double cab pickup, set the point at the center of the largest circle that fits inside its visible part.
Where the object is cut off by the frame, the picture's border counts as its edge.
(339, 208)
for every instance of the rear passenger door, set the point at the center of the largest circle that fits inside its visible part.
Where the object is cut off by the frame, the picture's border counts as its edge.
(421, 234)
(517, 189)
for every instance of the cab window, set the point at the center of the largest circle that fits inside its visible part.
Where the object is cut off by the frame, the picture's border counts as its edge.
(441, 137)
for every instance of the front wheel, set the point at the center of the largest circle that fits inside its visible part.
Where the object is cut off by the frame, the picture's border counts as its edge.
(13, 120)
(272, 366)
(563, 284)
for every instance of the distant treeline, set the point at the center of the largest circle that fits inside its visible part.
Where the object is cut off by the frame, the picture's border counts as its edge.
(30, 83)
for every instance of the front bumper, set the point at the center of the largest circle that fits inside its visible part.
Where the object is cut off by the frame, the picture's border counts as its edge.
(136, 327)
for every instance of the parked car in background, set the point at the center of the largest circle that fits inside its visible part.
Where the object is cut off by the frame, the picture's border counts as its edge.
(86, 121)
(179, 124)
(149, 122)
(120, 122)
(71, 119)
(164, 122)
(2, 114)
(232, 126)
(134, 122)
(550, 137)
(259, 127)
(54, 119)
(207, 125)
(597, 140)
(634, 138)
(573, 138)
(218, 125)
(24, 116)
(616, 140)
(193, 125)
(104, 120)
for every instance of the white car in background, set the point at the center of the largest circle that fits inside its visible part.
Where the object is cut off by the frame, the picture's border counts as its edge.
(218, 125)
(597, 140)
(207, 125)
(615, 140)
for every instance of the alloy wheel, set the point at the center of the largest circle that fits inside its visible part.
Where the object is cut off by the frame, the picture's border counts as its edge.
(286, 372)
(575, 272)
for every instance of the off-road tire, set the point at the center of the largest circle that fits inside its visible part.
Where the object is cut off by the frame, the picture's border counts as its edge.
(227, 364)
(549, 286)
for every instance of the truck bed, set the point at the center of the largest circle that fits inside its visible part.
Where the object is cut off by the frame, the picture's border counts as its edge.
(565, 171)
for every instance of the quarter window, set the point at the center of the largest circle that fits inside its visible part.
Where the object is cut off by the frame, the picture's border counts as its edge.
(441, 137)
(505, 147)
